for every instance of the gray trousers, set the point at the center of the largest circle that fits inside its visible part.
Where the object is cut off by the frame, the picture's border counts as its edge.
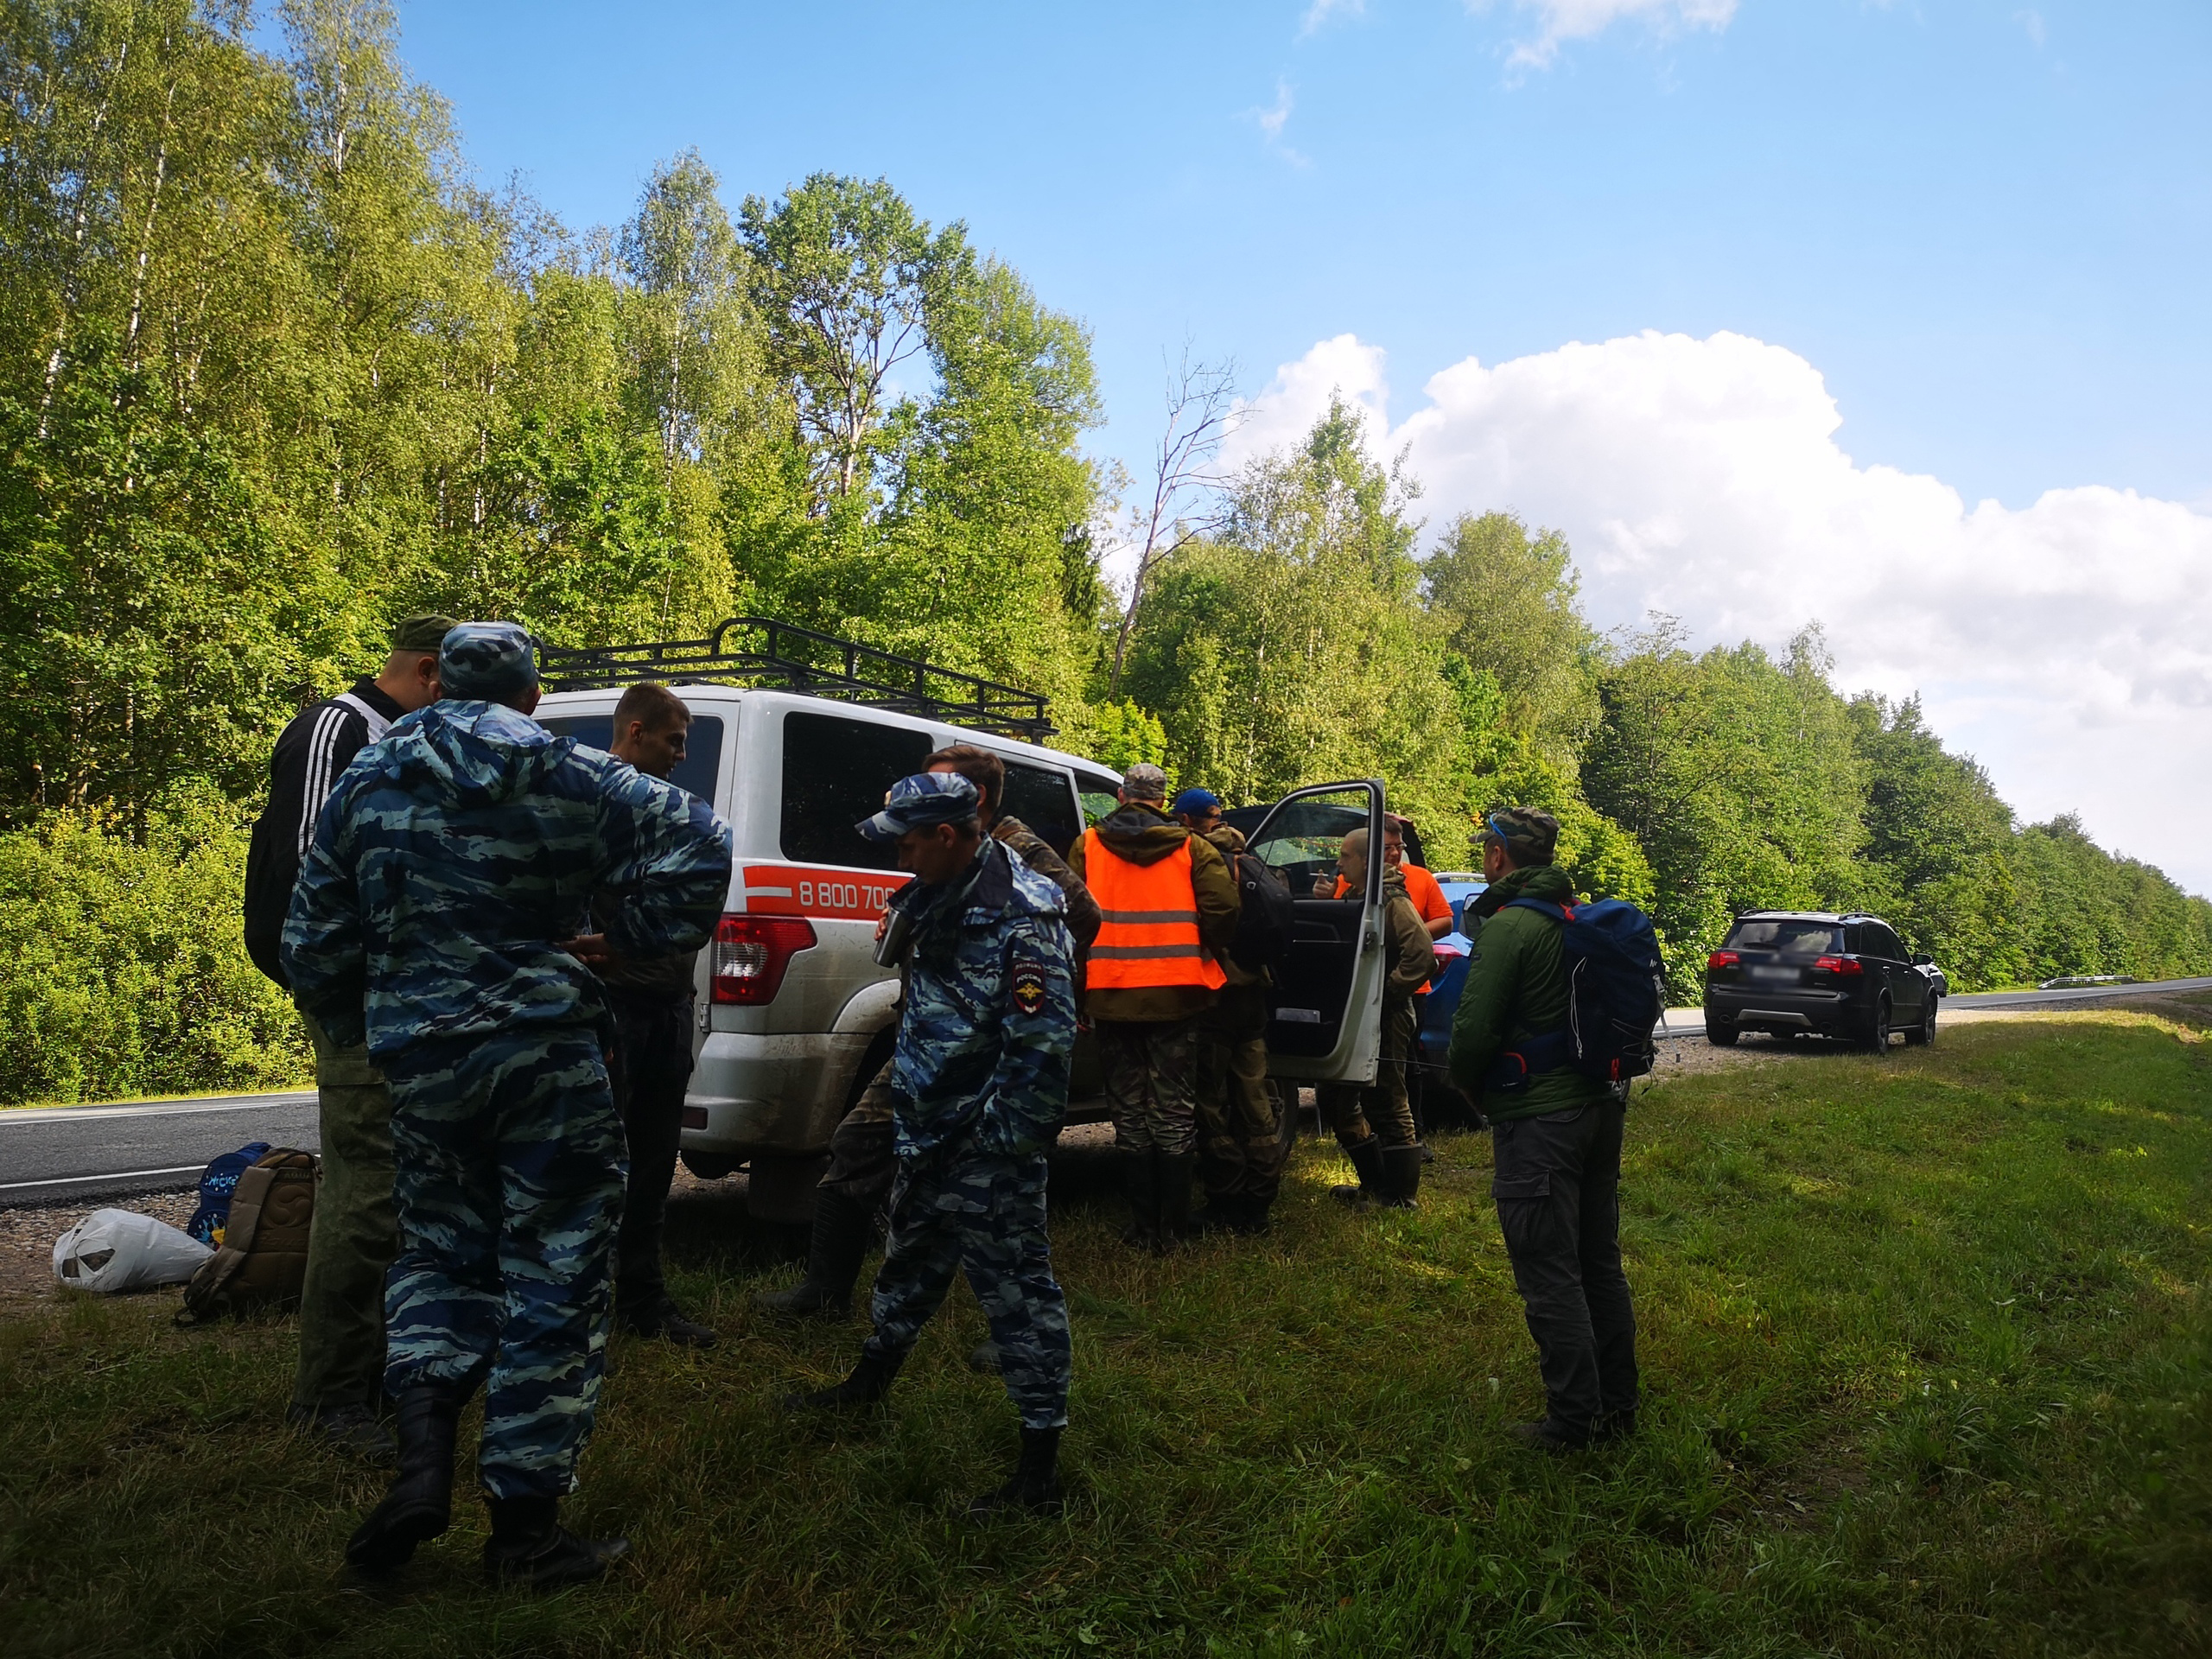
(1557, 1183)
(353, 1237)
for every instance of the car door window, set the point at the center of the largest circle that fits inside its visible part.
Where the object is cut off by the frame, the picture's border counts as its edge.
(1043, 799)
(836, 772)
(1099, 796)
(1319, 989)
(702, 748)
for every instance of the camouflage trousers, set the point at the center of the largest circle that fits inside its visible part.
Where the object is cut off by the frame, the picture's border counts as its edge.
(962, 1208)
(508, 1164)
(1151, 1083)
(352, 1236)
(1347, 1107)
(1240, 1125)
(864, 1150)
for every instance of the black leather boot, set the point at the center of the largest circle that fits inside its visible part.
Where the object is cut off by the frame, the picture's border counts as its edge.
(1036, 1484)
(1367, 1159)
(529, 1547)
(1401, 1177)
(419, 1504)
(870, 1381)
(1173, 1173)
(1140, 1183)
(843, 1229)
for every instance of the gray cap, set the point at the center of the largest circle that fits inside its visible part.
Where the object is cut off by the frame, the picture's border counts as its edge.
(1145, 782)
(486, 662)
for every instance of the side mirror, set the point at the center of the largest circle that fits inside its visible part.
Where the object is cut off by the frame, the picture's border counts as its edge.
(1923, 960)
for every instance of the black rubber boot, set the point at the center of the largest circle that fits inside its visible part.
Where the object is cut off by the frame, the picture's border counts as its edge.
(843, 1229)
(1548, 1436)
(529, 1547)
(1140, 1182)
(1173, 1173)
(1036, 1484)
(351, 1429)
(1613, 1426)
(1401, 1177)
(870, 1381)
(419, 1504)
(667, 1323)
(1367, 1159)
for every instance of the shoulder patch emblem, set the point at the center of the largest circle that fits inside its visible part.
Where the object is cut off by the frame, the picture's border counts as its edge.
(1028, 985)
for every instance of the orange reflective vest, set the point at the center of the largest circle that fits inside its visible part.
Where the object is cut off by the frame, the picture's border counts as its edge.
(1151, 933)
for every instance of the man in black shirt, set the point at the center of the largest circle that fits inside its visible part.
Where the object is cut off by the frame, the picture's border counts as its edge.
(649, 1062)
(340, 1375)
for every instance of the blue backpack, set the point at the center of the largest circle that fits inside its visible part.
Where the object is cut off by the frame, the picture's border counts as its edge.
(218, 1184)
(1615, 986)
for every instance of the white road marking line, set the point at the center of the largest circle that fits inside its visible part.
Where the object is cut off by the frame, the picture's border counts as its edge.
(162, 1109)
(117, 1175)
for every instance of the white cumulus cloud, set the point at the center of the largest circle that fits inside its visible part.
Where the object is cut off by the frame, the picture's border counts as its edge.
(2067, 642)
(1560, 20)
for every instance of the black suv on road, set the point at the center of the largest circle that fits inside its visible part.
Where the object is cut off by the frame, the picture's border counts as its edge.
(1792, 971)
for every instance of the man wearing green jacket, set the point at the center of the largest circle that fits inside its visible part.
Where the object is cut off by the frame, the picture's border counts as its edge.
(1557, 1139)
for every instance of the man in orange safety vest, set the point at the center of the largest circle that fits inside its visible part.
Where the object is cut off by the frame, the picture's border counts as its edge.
(1170, 904)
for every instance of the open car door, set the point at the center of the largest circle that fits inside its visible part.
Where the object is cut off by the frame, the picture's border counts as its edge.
(1325, 1013)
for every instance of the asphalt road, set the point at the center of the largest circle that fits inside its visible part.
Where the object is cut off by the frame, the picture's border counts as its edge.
(66, 1154)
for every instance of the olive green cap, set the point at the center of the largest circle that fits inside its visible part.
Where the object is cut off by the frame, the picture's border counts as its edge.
(424, 633)
(1529, 833)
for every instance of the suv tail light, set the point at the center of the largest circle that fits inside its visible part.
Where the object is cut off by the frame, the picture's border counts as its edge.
(1722, 959)
(752, 952)
(1844, 965)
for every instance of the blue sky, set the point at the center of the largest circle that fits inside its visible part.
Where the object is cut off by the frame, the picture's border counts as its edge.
(1987, 226)
(1892, 316)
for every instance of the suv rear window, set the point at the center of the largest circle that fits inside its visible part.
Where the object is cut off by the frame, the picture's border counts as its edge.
(702, 747)
(1792, 938)
(835, 773)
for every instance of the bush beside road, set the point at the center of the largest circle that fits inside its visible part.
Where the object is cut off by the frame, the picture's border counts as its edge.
(1929, 1347)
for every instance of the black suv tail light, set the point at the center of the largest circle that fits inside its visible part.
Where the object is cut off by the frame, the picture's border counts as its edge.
(1846, 966)
(752, 952)
(1722, 959)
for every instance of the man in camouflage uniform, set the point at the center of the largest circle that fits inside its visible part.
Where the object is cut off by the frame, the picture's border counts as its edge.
(1386, 1154)
(862, 1151)
(1241, 1148)
(981, 1080)
(452, 857)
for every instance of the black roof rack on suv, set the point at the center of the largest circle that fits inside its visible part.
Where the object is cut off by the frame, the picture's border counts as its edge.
(760, 651)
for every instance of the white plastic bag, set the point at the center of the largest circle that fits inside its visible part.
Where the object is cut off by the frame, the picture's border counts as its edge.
(120, 1250)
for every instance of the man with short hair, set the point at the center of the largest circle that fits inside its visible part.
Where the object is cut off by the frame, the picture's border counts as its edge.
(339, 1378)
(649, 1059)
(1170, 906)
(1557, 1145)
(986, 1034)
(862, 1161)
(1241, 1147)
(448, 867)
(1383, 1149)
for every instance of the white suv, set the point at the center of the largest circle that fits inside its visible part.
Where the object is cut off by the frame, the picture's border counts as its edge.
(795, 1015)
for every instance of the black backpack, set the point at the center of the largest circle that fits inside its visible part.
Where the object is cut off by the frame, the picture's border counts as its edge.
(1266, 922)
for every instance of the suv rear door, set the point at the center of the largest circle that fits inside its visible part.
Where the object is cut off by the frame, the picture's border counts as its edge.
(1324, 1012)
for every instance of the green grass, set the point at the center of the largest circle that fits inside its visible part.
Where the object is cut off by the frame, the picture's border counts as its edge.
(1926, 1340)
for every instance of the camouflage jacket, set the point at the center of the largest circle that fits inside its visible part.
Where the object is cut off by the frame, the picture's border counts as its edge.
(454, 854)
(988, 1023)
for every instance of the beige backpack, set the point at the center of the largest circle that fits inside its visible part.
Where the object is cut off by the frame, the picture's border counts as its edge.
(262, 1261)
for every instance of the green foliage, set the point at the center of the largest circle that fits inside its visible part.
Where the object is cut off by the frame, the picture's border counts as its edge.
(1507, 601)
(1124, 735)
(123, 971)
(1291, 650)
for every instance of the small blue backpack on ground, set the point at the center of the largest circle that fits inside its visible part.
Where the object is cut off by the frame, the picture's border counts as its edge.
(218, 1184)
(1616, 994)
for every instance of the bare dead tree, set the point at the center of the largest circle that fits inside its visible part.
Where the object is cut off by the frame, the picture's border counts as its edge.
(1184, 504)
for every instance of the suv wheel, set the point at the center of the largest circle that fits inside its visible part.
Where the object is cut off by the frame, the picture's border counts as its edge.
(1923, 1034)
(1720, 1036)
(1877, 1033)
